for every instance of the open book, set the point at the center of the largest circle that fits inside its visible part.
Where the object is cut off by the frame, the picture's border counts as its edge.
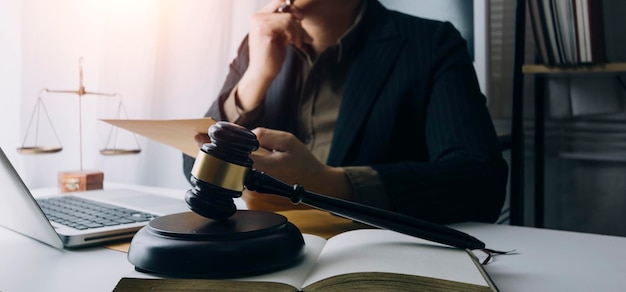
(359, 260)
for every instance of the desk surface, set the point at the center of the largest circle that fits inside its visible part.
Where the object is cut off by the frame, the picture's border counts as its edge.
(547, 260)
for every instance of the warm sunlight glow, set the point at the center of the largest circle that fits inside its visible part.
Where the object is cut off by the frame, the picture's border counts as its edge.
(166, 58)
(121, 8)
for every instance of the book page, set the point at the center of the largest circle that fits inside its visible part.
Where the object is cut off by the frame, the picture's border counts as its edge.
(377, 250)
(296, 275)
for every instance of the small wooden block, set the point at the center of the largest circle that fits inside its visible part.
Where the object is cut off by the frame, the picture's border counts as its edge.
(73, 181)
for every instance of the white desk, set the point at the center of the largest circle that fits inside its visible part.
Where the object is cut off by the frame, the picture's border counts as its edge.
(551, 260)
(547, 260)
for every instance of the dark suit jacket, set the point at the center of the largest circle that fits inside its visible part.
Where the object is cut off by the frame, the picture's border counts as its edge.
(412, 109)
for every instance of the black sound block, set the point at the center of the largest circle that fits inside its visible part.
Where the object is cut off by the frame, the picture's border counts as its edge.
(189, 245)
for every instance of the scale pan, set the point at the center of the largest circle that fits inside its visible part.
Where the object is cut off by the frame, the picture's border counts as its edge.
(119, 151)
(39, 150)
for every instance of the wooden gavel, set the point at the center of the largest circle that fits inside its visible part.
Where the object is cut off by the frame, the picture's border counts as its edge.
(223, 169)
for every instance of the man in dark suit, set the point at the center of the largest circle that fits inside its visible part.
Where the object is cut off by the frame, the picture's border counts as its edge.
(368, 105)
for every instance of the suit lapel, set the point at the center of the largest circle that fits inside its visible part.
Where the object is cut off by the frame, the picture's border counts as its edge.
(366, 78)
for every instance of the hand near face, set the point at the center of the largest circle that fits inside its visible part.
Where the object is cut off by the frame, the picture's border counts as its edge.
(269, 36)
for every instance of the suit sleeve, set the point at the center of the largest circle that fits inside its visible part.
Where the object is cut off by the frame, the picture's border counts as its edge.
(464, 175)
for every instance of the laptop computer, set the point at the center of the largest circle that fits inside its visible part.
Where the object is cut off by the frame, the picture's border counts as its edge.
(21, 212)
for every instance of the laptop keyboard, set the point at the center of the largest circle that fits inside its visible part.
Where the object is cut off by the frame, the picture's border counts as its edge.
(84, 214)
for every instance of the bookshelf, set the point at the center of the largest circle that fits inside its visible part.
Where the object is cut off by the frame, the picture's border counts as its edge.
(521, 70)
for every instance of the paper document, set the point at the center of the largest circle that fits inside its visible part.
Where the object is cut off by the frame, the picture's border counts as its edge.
(176, 133)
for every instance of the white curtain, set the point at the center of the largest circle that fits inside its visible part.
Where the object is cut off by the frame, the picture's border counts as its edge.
(9, 77)
(166, 59)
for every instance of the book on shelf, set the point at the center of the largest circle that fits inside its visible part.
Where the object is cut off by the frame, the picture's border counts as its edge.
(359, 260)
(564, 14)
(580, 95)
(550, 30)
(569, 32)
(595, 95)
(582, 30)
(538, 27)
(596, 32)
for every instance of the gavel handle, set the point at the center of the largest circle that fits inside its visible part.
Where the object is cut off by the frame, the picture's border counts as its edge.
(264, 183)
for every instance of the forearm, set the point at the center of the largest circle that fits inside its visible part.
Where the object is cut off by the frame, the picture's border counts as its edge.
(250, 91)
(335, 183)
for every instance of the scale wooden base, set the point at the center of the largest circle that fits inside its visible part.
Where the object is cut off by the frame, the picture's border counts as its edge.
(83, 180)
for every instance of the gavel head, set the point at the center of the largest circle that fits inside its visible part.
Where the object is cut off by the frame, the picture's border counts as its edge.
(219, 172)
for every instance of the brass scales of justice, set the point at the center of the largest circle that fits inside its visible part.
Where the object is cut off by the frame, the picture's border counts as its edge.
(109, 149)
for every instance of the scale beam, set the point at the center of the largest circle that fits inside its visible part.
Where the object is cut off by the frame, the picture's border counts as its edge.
(37, 112)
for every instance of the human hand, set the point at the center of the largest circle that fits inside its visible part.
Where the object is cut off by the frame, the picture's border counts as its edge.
(288, 162)
(201, 139)
(291, 162)
(269, 36)
(288, 159)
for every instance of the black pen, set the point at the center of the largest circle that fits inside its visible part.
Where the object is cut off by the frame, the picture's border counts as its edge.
(285, 7)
